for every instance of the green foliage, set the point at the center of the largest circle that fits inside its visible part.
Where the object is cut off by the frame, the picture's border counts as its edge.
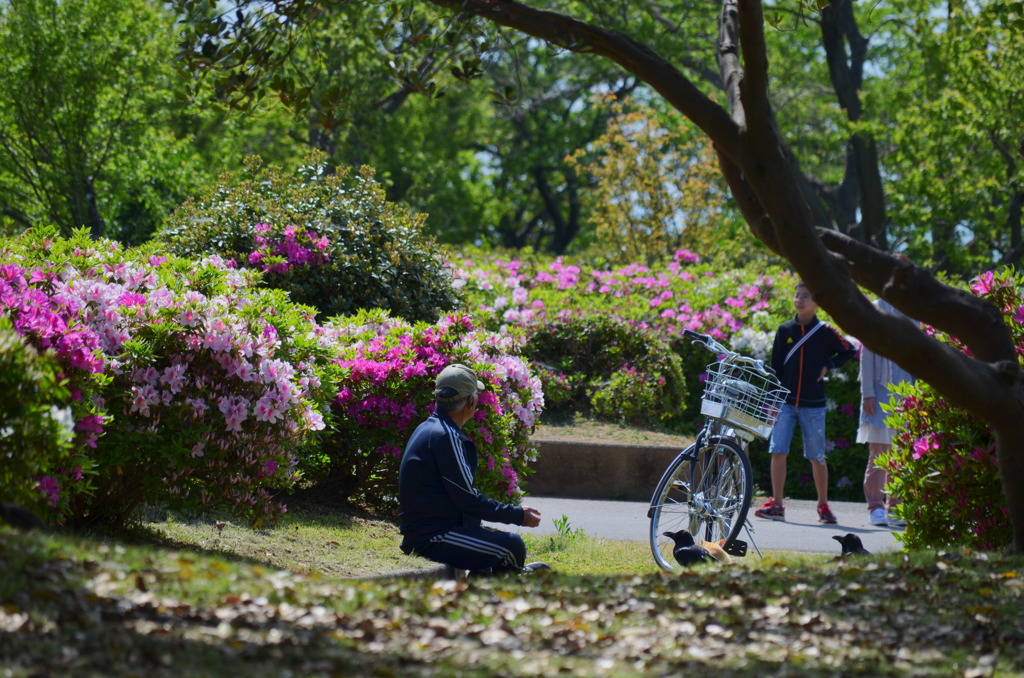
(145, 186)
(565, 538)
(954, 166)
(92, 132)
(82, 80)
(943, 462)
(616, 370)
(655, 188)
(36, 425)
(425, 149)
(330, 241)
(486, 159)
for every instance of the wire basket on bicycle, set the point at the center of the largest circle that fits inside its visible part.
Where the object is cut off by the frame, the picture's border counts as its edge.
(744, 395)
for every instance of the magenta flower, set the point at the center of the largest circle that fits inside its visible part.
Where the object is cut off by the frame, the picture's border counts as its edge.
(982, 285)
(923, 446)
(50, 486)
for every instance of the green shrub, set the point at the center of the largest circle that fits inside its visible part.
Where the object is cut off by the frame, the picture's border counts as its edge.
(629, 397)
(942, 464)
(331, 241)
(619, 371)
(557, 389)
(36, 424)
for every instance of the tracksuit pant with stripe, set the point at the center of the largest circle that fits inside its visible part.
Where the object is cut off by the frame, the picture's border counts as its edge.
(477, 549)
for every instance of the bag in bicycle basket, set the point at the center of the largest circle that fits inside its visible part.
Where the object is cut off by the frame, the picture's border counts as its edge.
(743, 397)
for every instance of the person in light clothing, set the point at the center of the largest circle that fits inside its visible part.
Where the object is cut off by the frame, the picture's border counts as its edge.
(877, 376)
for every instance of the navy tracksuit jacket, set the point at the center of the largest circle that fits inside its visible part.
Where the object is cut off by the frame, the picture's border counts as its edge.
(825, 348)
(435, 485)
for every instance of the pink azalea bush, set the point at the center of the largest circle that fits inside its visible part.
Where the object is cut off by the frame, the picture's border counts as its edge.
(680, 294)
(295, 248)
(582, 324)
(208, 389)
(386, 389)
(555, 297)
(44, 473)
(943, 463)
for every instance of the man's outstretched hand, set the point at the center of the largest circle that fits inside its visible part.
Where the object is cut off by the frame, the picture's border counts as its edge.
(531, 517)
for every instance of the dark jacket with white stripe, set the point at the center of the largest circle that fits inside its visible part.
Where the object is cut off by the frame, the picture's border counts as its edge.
(435, 484)
(801, 374)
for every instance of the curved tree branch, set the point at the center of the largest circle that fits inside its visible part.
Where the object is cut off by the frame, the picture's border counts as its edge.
(636, 58)
(917, 293)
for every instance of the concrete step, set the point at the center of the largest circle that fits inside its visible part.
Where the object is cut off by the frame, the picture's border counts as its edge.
(597, 471)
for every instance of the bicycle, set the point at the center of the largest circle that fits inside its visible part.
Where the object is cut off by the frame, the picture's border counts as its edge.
(707, 488)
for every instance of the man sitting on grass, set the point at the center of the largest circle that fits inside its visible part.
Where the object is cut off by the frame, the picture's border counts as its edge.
(440, 509)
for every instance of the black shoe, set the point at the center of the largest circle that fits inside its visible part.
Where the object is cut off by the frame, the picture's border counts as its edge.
(530, 568)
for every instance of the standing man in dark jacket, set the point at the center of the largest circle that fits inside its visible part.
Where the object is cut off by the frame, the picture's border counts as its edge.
(805, 349)
(441, 510)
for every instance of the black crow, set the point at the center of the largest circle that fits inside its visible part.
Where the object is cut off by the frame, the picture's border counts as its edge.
(686, 551)
(852, 545)
(19, 517)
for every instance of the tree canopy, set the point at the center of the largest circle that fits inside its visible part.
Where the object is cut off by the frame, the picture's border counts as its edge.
(92, 129)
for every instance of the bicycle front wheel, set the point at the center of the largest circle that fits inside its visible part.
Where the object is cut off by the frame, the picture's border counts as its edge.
(706, 492)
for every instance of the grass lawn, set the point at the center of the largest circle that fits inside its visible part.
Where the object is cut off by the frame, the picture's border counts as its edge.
(208, 598)
(327, 593)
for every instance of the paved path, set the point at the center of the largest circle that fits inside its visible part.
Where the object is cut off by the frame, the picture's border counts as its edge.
(626, 520)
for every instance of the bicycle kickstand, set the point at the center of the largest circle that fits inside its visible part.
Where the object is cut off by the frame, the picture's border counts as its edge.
(749, 527)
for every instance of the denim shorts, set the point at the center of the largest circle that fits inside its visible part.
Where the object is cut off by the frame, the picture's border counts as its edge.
(812, 427)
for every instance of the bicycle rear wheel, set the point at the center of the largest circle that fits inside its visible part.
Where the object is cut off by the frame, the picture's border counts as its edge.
(706, 492)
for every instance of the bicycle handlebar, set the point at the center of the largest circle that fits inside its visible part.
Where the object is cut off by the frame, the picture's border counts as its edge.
(714, 346)
(709, 343)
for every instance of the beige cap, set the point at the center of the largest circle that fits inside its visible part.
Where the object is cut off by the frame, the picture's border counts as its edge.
(458, 378)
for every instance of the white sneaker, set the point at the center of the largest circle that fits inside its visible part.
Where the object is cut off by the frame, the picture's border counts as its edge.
(894, 522)
(878, 517)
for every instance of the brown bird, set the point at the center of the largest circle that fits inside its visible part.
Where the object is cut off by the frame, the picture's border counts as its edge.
(716, 551)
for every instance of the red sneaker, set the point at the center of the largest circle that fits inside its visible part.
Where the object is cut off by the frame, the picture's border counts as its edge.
(771, 511)
(825, 514)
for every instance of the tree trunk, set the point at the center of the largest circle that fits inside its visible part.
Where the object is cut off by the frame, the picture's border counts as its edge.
(839, 29)
(1009, 443)
(564, 227)
(97, 226)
